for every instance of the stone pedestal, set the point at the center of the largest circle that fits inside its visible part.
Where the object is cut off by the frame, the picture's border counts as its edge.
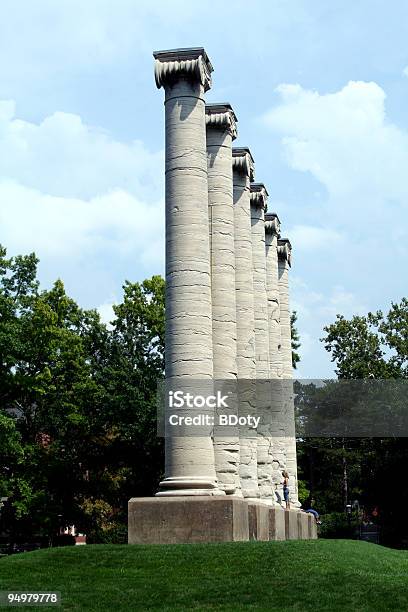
(312, 527)
(175, 520)
(291, 525)
(258, 521)
(303, 525)
(277, 529)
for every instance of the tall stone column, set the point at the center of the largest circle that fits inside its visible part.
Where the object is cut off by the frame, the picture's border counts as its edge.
(284, 263)
(259, 197)
(243, 174)
(185, 76)
(221, 131)
(272, 229)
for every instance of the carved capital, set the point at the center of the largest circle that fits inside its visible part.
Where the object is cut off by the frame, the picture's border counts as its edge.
(174, 64)
(259, 195)
(285, 250)
(221, 116)
(243, 162)
(272, 224)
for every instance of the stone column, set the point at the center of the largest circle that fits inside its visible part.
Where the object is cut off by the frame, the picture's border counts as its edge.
(243, 174)
(272, 229)
(185, 76)
(221, 131)
(259, 197)
(284, 263)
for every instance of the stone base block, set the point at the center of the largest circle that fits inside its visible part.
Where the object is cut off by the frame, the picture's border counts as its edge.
(175, 520)
(303, 525)
(258, 521)
(312, 532)
(277, 523)
(291, 525)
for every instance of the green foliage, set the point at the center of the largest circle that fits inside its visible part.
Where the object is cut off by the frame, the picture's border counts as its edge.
(303, 492)
(295, 340)
(116, 533)
(340, 470)
(77, 402)
(336, 525)
(372, 346)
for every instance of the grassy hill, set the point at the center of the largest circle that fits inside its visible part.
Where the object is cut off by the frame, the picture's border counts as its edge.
(296, 575)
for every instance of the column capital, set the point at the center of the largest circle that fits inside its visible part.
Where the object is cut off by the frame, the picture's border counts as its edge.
(259, 195)
(243, 162)
(221, 116)
(285, 250)
(272, 224)
(192, 63)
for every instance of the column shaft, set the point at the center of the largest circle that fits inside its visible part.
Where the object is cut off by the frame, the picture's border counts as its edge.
(185, 75)
(221, 130)
(278, 440)
(264, 452)
(243, 169)
(284, 260)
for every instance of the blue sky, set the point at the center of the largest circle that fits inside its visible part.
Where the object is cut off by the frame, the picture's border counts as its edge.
(320, 91)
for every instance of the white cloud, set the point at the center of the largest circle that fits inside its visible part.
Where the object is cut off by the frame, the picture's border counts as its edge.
(69, 227)
(89, 206)
(62, 156)
(343, 139)
(405, 71)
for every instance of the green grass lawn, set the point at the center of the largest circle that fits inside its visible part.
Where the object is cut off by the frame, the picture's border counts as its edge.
(295, 575)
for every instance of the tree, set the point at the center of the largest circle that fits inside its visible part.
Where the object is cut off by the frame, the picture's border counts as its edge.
(295, 340)
(373, 346)
(77, 402)
(339, 469)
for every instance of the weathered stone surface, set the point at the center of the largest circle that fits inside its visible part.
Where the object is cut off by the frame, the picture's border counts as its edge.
(221, 130)
(291, 524)
(312, 527)
(259, 196)
(185, 75)
(284, 262)
(171, 520)
(272, 229)
(243, 170)
(174, 64)
(277, 529)
(277, 428)
(303, 525)
(258, 521)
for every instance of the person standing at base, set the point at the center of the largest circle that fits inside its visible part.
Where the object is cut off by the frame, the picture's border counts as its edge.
(286, 489)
